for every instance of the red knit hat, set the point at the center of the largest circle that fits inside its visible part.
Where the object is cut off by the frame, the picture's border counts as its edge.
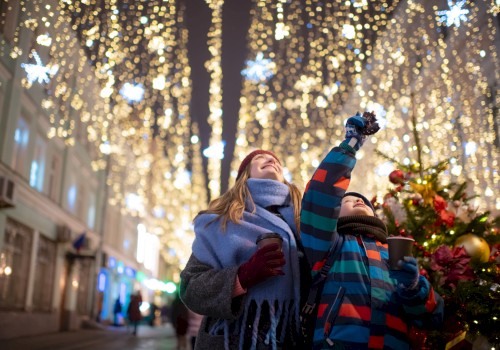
(249, 158)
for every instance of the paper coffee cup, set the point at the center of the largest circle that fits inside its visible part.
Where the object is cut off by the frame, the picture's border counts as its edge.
(399, 247)
(269, 238)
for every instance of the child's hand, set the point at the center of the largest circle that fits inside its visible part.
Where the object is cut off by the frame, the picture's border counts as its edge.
(370, 126)
(359, 127)
(407, 277)
(353, 128)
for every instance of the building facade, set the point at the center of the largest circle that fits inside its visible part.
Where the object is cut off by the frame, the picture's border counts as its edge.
(66, 254)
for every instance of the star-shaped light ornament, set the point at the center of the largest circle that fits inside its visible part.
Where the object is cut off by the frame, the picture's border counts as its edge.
(454, 15)
(132, 92)
(39, 72)
(259, 70)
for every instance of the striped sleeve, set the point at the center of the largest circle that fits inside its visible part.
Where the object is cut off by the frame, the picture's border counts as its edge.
(321, 201)
(425, 307)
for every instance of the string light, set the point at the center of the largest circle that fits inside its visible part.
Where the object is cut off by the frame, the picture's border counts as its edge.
(328, 60)
(214, 68)
(414, 65)
(455, 14)
(143, 135)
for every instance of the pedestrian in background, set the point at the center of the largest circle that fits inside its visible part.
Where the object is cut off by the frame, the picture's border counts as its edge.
(133, 311)
(180, 322)
(152, 314)
(117, 309)
(165, 313)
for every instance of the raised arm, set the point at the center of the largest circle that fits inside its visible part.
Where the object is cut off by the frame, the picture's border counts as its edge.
(324, 192)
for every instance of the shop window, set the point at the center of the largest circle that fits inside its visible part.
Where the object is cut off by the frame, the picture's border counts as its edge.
(44, 275)
(17, 253)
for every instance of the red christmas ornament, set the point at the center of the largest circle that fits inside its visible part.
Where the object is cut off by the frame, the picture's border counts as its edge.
(423, 272)
(397, 177)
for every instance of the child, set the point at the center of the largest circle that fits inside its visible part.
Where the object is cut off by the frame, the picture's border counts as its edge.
(364, 304)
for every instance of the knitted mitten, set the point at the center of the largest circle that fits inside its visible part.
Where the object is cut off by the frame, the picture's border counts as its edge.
(407, 277)
(358, 127)
(264, 263)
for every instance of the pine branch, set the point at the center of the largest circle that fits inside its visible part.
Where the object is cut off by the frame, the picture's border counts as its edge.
(393, 160)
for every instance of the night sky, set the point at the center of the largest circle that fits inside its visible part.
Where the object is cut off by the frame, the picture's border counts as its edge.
(236, 20)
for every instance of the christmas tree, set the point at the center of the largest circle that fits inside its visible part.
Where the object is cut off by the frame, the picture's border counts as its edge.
(458, 249)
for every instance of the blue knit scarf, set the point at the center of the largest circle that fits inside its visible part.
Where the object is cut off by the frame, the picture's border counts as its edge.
(236, 245)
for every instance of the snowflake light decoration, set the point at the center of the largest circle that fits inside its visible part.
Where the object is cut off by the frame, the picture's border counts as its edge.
(259, 70)
(455, 14)
(132, 92)
(495, 8)
(39, 72)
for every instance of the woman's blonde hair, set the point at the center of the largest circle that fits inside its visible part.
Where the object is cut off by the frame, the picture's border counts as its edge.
(231, 205)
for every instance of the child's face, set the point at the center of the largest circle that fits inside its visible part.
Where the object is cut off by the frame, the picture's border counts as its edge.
(352, 205)
(265, 166)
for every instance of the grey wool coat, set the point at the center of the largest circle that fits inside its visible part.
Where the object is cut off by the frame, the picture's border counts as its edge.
(210, 293)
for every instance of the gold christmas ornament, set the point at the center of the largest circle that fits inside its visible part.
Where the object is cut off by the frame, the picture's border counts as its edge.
(425, 190)
(477, 248)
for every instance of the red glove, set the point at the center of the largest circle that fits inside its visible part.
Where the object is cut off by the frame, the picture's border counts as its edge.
(264, 263)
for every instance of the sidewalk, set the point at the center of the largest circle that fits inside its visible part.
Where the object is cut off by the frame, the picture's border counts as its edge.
(110, 338)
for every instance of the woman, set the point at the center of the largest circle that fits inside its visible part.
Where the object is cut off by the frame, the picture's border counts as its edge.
(250, 297)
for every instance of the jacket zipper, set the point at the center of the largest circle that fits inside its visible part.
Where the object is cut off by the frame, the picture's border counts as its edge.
(332, 314)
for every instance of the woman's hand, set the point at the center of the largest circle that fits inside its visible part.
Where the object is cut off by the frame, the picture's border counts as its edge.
(264, 263)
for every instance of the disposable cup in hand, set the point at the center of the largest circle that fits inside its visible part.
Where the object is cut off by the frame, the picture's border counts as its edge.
(399, 247)
(269, 238)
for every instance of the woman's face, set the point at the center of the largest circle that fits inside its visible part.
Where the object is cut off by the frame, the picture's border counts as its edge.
(265, 166)
(352, 205)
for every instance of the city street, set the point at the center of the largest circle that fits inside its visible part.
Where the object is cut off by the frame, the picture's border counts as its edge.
(111, 338)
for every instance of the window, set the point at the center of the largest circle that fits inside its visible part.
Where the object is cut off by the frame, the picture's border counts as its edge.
(71, 194)
(38, 165)
(44, 276)
(53, 175)
(91, 210)
(17, 250)
(20, 151)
